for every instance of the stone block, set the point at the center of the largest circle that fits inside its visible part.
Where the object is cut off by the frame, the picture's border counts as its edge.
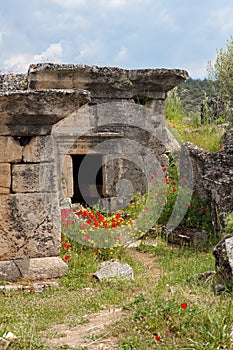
(33, 178)
(67, 177)
(29, 226)
(10, 150)
(5, 178)
(39, 149)
(106, 82)
(32, 269)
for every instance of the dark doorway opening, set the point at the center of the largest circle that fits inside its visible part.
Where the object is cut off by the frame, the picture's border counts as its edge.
(87, 178)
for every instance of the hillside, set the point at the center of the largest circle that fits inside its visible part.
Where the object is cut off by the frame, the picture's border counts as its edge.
(193, 91)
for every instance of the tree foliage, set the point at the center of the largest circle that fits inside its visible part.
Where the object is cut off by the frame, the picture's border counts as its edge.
(222, 73)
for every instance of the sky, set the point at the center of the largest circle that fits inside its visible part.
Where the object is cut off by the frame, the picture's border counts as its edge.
(130, 34)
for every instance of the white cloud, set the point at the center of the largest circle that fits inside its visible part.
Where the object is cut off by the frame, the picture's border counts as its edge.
(70, 3)
(122, 54)
(222, 19)
(117, 3)
(20, 63)
(91, 51)
(52, 53)
(17, 63)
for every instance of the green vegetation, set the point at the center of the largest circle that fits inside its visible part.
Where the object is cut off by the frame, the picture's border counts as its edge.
(187, 127)
(168, 305)
(222, 72)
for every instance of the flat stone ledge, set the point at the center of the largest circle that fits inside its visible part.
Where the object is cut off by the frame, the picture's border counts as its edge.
(106, 82)
(34, 112)
(32, 269)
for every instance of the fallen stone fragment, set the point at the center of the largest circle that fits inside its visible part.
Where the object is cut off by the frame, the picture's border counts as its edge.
(223, 253)
(115, 270)
(186, 236)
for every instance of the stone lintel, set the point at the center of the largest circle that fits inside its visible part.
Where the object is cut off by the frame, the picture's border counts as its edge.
(106, 82)
(34, 112)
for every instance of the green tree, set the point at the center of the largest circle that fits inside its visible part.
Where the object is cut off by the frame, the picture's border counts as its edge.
(222, 72)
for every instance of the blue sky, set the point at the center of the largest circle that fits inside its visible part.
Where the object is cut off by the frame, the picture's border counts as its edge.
(124, 33)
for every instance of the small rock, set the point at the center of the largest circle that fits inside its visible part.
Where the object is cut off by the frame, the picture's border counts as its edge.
(115, 269)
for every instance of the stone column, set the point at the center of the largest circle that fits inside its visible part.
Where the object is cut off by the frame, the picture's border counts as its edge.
(29, 196)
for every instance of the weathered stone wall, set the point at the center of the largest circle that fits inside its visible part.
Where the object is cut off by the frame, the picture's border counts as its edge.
(213, 178)
(12, 82)
(121, 117)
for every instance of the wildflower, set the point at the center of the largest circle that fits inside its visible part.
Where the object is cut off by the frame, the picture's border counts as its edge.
(86, 238)
(151, 197)
(164, 169)
(190, 206)
(182, 179)
(173, 190)
(95, 250)
(184, 305)
(118, 216)
(100, 218)
(67, 223)
(152, 177)
(64, 213)
(145, 208)
(173, 182)
(220, 146)
(204, 210)
(174, 126)
(66, 257)
(157, 338)
(65, 245)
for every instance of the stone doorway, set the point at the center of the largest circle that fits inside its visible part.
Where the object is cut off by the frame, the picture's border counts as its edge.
(87, 178)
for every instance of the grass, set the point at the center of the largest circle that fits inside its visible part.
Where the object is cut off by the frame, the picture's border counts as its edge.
(154, 312)
(175, 310)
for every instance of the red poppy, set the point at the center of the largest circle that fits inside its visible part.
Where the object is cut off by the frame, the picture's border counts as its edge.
(114, 223)
(64, 213)
(95, 250)
(100, 218)
(220, 146)
(204, 210)
(184, 305)
(65, 245)
(173, 182)
(86, 238)
(66, 257)
(173, 190)
(152, 177)
(157, 338)
(164, 169)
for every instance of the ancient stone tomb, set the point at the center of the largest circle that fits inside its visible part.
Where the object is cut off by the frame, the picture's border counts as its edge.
(87, 133)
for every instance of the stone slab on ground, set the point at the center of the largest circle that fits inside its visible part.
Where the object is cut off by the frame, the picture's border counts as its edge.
(115, 270)
(33, 269)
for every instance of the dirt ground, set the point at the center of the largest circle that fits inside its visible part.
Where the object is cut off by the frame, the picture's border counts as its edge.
(91, 333)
